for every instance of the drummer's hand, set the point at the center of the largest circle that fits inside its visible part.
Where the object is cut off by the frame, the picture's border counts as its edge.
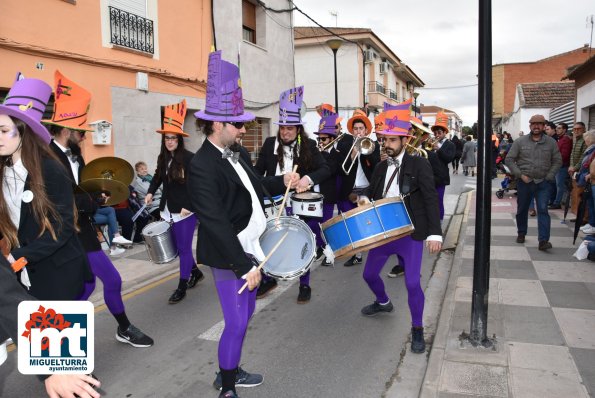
(185, 212)
(383, 156)
(148, 198)
(303, 185)
(362, 201)
(291, 179)
(433, 246)
(253, 278)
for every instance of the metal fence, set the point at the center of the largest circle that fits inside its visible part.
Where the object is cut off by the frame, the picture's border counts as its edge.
(131, 31)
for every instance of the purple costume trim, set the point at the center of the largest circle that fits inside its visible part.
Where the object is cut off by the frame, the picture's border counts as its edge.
(410, 254)
(237, 311)
(183, 232)
(103, 268)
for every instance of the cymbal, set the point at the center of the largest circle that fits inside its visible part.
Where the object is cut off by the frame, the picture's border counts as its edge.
(119, 192)
(109, 167)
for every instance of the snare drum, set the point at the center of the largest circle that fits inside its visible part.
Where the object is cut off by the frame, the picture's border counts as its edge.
(295, 256)
(307, 204)
(159, 242)
(272, 208)
(368, 226)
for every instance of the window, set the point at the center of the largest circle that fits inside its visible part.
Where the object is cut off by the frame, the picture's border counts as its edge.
(253, 139)
(128, 26)
(249, 21)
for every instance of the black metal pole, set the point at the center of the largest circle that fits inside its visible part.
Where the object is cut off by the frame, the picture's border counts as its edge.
(481, 260)
(336, 88)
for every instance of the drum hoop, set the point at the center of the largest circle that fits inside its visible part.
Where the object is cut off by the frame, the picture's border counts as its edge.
(155, 222)
(320, 198)
(393, 234)
(362, 209)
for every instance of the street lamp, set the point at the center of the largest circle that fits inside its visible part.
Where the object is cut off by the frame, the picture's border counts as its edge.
(415, 95)
(335, 44)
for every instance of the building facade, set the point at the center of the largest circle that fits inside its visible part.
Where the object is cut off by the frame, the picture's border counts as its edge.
(368, 72)
(455, 123)
(584, 77)
(134, 56)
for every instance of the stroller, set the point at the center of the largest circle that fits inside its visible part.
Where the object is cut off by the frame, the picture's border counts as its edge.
(508, 183)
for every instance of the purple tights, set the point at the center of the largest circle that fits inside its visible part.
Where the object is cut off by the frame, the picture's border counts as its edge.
(183, 232)
(237, 311)
(440, 190)
(410, 253)
(102, 268)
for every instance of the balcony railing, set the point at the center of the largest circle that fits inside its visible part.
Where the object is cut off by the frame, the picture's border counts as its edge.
(376, 87)
(131, 31)
(393, 95)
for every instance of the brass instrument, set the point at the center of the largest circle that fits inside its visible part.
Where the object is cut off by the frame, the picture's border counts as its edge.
(330, 144)
(364, 145)
(421, 134)
(108, 174)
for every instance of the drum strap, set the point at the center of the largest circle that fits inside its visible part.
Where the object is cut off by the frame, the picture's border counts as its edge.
(265, 190)
(390, 181)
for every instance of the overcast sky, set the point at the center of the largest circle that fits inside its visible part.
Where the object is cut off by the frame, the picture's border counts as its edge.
(438, 38)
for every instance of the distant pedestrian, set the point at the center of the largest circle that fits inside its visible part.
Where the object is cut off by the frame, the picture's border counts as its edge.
(468, 158)
(534, 160)
(458, 153)
(565, 147)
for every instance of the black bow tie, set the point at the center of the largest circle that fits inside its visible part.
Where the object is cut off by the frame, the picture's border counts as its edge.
(73, 158)
(393, 162)
(229, 154)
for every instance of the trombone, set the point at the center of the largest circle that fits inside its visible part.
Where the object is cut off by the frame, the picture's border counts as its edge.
(333, 142)
(364, 145)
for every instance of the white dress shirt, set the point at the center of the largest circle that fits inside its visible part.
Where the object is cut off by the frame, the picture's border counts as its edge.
(74, 166)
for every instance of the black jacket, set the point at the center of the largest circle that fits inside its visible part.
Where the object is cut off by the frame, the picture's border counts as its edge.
(223, 206)
(368, 163)
(85, 204)
(57, 268)
(266, 164)
(175, 194)
(328, 187)
(10, 298)
(446, 154)
(416, 184)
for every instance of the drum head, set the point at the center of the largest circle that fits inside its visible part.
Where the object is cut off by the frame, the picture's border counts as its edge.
(156, 228)
(295, 255)
(307, 197)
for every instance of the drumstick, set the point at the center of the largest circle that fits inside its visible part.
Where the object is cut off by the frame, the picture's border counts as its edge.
(265, 260)
(285, 197)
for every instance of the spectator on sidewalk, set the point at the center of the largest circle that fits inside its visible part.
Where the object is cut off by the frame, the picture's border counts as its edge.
(141, 184)
(565, 147)
(458, 153)
(468, 158)
(578, 149)
(584, 179)
(534, 160)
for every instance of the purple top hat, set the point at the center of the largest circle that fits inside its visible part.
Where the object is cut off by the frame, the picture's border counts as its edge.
(224, 94)
(327, 124)
(290, 103)
(26, 101)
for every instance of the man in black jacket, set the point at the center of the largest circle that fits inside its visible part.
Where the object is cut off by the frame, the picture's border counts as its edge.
(446, 152)
(410, 177)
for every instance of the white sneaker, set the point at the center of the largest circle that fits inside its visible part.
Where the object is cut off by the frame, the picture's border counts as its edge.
(120, 240)
(589, 231)
(586, 226)
(116, 251)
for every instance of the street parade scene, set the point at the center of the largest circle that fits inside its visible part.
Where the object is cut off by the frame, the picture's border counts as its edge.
(238, 198)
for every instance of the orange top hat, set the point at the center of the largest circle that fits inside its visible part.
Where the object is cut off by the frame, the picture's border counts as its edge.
(173, 119)
(441, 121)
(361, 116)
(397, 122)
(379, 122)
(71, 104)
(327, 110)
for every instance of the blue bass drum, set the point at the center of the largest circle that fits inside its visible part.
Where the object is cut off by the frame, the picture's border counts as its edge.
(367, 227)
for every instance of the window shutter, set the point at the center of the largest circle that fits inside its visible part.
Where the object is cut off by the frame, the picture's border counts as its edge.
(248, 15)
(136, 7)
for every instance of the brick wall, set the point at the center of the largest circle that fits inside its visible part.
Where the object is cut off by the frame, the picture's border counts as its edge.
(505, 77)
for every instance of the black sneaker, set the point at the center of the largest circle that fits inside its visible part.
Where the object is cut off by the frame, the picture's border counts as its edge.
(265, 288)
(195, 276)
(177, 296)
(134, 337)
(228, 394)
(319, 253)
(544, 245)
(397, 270)
(305, 294)
(418, 344)
(243, 379)
(354, 260)
(375, 308)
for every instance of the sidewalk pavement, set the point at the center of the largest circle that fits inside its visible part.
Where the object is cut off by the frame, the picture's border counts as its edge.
(541, 312)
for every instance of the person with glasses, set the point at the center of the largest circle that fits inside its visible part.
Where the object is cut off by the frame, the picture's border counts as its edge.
(291, 146)
(173, 164)
(410, 177)
(228, 198)
(68, 133)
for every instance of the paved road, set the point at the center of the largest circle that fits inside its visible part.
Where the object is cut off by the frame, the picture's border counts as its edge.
(323, 348)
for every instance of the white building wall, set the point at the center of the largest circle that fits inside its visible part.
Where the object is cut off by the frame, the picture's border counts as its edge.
(585, 98)
(266, 68)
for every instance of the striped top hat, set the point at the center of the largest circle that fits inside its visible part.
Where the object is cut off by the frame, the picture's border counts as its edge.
(173, 119)
(290, 104)
(71, 104)
(327, 124)
(397, 119)
(327, 110)
(26, 101)
(225, 102)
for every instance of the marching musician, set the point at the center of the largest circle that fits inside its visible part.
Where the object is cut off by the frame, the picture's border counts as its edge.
(446, 151)
(228, 199)
(357, 167)
(278, 156)
(411, 178)
(173, 164)
(68, 132)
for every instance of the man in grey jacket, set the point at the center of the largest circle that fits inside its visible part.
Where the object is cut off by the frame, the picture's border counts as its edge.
(534, 159)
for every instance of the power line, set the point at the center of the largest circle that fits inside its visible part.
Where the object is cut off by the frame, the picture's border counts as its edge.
(447, 87)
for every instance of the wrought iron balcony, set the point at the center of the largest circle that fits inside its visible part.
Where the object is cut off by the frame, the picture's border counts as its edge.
(393, 95)
(131, 31)
(376, 87)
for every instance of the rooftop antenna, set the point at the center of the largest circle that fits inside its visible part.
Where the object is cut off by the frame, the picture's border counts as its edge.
(335, 14)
